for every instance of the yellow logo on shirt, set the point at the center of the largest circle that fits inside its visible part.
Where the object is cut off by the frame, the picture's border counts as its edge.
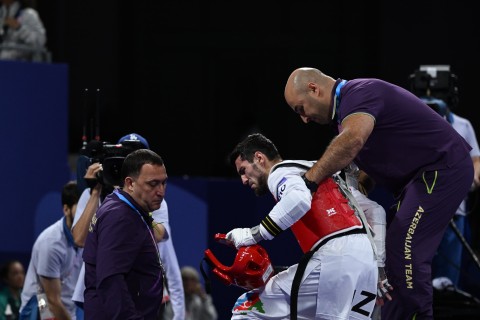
(93, 222)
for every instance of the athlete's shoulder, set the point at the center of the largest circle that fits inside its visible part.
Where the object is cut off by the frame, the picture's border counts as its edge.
(284, 174)
(292, 166)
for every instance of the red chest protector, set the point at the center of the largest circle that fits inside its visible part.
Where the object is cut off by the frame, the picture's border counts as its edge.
(330, 214)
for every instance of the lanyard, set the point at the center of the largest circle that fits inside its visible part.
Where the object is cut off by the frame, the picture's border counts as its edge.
(337, 98)
(124, 199)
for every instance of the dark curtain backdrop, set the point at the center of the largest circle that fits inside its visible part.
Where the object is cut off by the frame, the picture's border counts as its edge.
(194, 77)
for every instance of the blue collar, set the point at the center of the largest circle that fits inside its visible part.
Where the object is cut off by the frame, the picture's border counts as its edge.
(68, 234)
(336, 99)
(130, 204)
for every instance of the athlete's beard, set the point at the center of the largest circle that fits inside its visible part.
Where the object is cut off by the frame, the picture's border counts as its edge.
(262, 185)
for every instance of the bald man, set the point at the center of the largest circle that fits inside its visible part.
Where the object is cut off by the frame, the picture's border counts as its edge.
(403, 145)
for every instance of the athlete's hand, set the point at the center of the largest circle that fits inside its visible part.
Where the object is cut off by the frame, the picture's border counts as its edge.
(383, 287)
(241, 237)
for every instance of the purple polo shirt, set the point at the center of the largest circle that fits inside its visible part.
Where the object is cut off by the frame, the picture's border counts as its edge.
(122, 272)
(408, 137)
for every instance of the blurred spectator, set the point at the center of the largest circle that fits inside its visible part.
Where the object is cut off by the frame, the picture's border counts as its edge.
(22, 34)
(12, 275)
(198, 303)
(54, 266)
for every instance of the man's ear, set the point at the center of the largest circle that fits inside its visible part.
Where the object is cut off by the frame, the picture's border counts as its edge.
(313, 88)
(65, 210)
(128, 184)
(259, 156)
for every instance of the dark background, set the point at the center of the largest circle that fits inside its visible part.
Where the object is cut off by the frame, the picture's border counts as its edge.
(194, 77)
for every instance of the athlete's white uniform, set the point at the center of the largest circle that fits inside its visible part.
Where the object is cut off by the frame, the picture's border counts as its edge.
(374, 212)
(340, 281)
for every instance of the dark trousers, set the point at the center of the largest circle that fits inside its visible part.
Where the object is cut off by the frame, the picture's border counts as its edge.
(423, 213)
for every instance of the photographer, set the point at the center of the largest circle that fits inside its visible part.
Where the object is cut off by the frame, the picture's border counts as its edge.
(88, 204)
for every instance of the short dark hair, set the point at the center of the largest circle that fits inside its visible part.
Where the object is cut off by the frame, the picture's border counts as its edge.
(252, 143)
(70, 194)
(134, 162)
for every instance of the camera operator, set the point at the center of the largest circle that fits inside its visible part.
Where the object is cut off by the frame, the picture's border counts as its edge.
(437, 87)
(88, 203)
(448, 259)
(99, 186)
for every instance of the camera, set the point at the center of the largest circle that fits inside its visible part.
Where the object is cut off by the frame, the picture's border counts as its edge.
(435, 82)
(111, 156)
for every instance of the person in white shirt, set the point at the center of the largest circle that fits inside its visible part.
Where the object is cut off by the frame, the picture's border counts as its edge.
(22, 36)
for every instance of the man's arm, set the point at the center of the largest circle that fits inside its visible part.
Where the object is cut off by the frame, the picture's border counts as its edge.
(356, 129)
(476, 167)
(85, 212)
(295, 201)
(169, 258)
(53, 289)
(469, 135)
(158, 231)
(174, 277)
(80, 228)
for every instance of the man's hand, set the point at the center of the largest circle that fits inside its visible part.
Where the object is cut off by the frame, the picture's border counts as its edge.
(92, 174)
(93, 170)
(311, 185)
(383, 287)
(12, 23)
(241, 237)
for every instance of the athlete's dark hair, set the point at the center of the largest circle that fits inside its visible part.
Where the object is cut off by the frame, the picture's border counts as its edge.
(134, 162)
(252, 143)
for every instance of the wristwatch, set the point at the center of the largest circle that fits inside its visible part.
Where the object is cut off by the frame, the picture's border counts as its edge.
(312, 186)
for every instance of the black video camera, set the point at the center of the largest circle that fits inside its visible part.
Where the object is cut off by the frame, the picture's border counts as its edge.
(435, 81)
(111, 156)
